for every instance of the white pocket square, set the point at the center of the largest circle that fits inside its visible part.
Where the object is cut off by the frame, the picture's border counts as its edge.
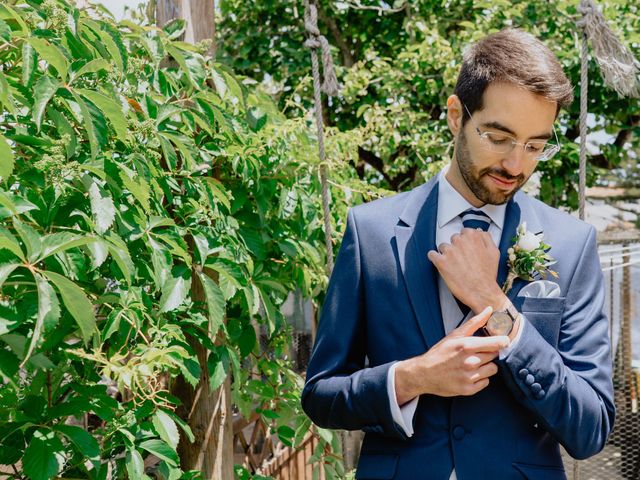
(540, 289)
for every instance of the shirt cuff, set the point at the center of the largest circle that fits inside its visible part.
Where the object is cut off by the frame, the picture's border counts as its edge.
(403, 416)
(504, 353)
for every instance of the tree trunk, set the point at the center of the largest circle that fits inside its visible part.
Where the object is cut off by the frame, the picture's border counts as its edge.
(199, 15)
(209, 416)
(207, 413)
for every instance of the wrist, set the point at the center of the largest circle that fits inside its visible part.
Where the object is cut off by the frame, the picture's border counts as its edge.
(405, 385)
(494, 298)
(516, 328)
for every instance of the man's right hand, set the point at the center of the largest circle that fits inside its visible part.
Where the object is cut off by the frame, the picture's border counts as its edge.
(459, 364)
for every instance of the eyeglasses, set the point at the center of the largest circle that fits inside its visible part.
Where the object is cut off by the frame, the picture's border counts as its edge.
(504, 143)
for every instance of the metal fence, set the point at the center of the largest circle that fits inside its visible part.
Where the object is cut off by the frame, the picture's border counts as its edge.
(620, 459)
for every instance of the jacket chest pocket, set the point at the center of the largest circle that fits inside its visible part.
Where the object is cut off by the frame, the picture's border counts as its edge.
(545, 314)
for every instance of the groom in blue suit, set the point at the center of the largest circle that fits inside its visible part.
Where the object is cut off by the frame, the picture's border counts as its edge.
(419, 346)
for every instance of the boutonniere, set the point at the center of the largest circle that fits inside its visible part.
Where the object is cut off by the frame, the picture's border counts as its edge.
(528, 257)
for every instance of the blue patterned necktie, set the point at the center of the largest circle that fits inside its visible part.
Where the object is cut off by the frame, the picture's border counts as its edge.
(473, 219)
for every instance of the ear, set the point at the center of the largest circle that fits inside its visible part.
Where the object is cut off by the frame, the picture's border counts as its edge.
(454, 114)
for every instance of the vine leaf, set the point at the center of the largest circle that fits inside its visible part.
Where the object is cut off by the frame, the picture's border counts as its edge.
(98, 251)
(60, 241)
(51, 54)
(161, 450)
(5, 31)
(166, 428)
(44, 90)
(7, 160)
(102, 207)
(110, 109)
(215, 303)
(218, 364)
(92, 66)
(8, 241)
(44, 456)
(83, 441)
(137, 185)
(48, 313)
(30, 238)
(135, 465)
(90, 116)
(175, 289)
(76, 302)
(29, 62)
(118, 250)
(6, 270)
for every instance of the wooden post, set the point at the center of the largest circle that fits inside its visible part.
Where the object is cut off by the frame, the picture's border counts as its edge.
(199, 15)
(207, 413)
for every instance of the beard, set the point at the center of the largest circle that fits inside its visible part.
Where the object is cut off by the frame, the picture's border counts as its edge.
(474, 177)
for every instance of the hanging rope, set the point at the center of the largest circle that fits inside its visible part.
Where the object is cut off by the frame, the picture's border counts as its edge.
(619, 70)
(584, 94)
(314, 42)
(619, 67)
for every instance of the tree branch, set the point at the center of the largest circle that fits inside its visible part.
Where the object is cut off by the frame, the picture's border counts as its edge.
(395, 183)
(600, 160)
(329, 21)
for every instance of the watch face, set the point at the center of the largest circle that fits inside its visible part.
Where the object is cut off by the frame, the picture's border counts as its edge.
(499, 323)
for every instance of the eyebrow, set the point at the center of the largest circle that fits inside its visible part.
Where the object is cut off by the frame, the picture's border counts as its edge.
(503, 128)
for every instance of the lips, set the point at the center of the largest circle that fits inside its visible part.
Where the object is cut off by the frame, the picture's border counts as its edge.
(502, 183)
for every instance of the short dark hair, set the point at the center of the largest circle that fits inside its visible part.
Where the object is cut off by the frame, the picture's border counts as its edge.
(513, 56)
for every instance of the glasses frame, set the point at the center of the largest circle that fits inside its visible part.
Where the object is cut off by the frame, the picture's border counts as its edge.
(548, 152)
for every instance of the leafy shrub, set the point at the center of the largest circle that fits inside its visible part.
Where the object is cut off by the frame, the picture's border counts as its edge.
(133, 171)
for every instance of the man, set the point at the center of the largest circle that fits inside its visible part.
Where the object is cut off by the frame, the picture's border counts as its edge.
(490, 394)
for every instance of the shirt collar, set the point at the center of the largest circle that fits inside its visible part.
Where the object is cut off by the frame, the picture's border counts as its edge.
(451, 204)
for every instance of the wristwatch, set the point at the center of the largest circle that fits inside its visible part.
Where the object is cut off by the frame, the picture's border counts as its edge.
(501, 321)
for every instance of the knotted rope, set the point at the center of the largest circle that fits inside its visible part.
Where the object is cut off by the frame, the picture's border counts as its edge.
(619, 67)
(314, 42)
(619, 71)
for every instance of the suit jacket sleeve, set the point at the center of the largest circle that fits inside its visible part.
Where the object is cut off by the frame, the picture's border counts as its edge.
(569, 388)
(340, 392)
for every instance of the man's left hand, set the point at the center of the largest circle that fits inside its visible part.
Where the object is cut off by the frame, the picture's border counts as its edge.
(469, 267)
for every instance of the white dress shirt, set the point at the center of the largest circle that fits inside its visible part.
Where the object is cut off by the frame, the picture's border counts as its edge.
(450, 205)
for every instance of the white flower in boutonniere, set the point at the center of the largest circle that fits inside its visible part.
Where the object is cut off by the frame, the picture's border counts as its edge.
(528, 257)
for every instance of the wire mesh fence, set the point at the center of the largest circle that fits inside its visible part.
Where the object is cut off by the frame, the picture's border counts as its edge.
(620, 459)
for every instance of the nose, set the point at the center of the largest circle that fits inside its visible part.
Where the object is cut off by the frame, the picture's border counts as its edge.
(515, 161)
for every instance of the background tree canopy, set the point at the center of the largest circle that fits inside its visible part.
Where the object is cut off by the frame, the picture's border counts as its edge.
(399, 63)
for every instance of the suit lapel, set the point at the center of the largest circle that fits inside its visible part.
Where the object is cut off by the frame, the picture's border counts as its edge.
(519, 209)
(415, 235)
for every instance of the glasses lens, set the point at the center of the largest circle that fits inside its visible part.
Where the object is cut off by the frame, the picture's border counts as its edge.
(549, 152)
(535, 148)
(498, 142)
(503, 143)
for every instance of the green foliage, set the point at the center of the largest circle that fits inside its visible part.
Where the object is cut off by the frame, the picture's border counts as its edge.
(133, 171)
(398, 64)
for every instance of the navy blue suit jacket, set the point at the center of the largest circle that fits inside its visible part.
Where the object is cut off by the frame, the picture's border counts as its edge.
(382, 305)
